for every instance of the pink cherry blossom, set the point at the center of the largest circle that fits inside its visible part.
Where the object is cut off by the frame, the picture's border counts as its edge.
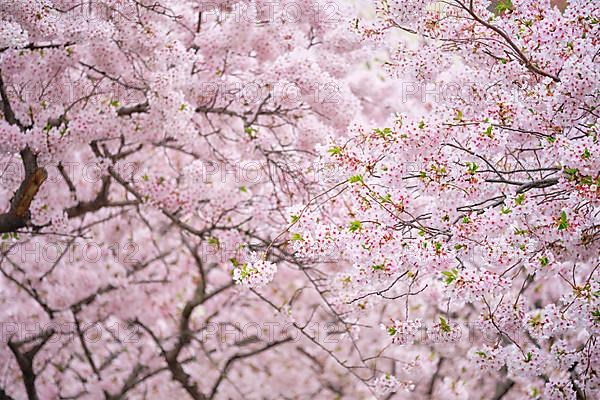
(303, 199)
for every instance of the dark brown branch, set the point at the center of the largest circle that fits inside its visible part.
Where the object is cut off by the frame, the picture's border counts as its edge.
(18, 215)
(502, 389)
(134, 109)
(25, 360)
(7, 110)
(86, 349)
(4, 395)
(34, 46)
(522, 57)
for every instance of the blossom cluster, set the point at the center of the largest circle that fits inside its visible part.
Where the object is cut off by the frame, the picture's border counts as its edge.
(255, 273)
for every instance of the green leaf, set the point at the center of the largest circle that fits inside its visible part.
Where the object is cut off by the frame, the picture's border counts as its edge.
(572, 172)
(450, 276)
(544, 261)
(520, 199)
(295, 219)
(355, 179)
(472, 168)
(563, 223)
(245, 272)
(335, 150)
(354, 226)
(488, 131)
(503, 6)
(297, 237)
(386, 199)
(586, 154)
(378, 267)
(385, 132)
(459, 115)
(536, 320)
(250, 131)
(444, 326)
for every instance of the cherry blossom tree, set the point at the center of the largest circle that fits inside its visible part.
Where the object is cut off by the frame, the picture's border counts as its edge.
(150, 150)
(468, 225)
(241, 200)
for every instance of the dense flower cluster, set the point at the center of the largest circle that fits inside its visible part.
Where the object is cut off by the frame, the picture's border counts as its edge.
(482, 201)
(403, 332)
(147, 150)
(255, 273)
(239, 199)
